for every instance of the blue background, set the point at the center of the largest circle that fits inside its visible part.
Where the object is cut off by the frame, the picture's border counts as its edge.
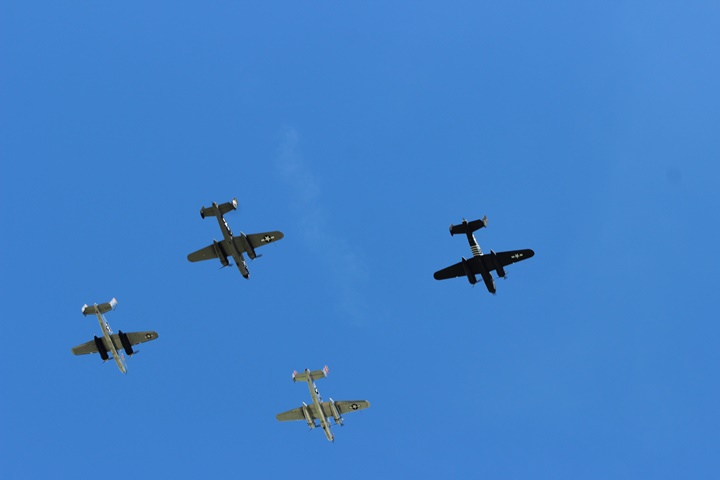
(585, 130)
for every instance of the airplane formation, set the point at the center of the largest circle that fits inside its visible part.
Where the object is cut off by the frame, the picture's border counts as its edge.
(232, 246)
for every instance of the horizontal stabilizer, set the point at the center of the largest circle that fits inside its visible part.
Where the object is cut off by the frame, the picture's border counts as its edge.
(102, 308)
(314, 375)
(223, 208)
(468, 227)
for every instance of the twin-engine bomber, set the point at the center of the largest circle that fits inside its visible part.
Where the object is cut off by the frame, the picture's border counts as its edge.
(232, 246)
(480, 264)
(113, 343)
(320, 410)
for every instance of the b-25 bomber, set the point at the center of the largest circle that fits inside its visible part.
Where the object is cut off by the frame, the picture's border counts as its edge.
(480, 263)
(232, 246)
(109, 342)
(320, 410)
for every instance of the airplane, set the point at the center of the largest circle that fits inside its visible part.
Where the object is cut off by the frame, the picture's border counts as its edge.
(482, 264)
(320, 410)
(232, 246)
(111, 342)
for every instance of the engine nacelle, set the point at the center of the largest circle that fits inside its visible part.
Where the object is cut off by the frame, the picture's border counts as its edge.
(336, 413)
(468, 272)
(125, 343)
(221, 256)
(247, 246)
(308, 418)
(100, 345)
(498, 266)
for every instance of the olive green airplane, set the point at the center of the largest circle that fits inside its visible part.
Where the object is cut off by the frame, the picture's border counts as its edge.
(482, 264)
(320, 410)
(110, 342)
(232, 246)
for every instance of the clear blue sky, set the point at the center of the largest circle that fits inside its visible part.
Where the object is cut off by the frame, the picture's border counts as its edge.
(587, 131)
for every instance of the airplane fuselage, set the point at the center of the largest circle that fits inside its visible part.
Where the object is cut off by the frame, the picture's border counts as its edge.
(317, 400)
(477, 252)
(107, 334)
(229, 241)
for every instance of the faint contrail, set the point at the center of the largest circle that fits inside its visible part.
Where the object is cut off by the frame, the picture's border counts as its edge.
(316, 232)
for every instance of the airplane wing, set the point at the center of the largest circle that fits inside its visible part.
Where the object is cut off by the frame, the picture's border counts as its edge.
(90, 347)
(296, 414)
(260, 239)
(344, 406)
(503, 258)
(134, 338)
(513, 256)
(208, 252)
(452, 271)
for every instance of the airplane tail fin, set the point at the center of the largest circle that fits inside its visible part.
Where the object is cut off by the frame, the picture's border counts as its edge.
(314, 375)
(468, 227)
(223, 207)
(102, 308)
